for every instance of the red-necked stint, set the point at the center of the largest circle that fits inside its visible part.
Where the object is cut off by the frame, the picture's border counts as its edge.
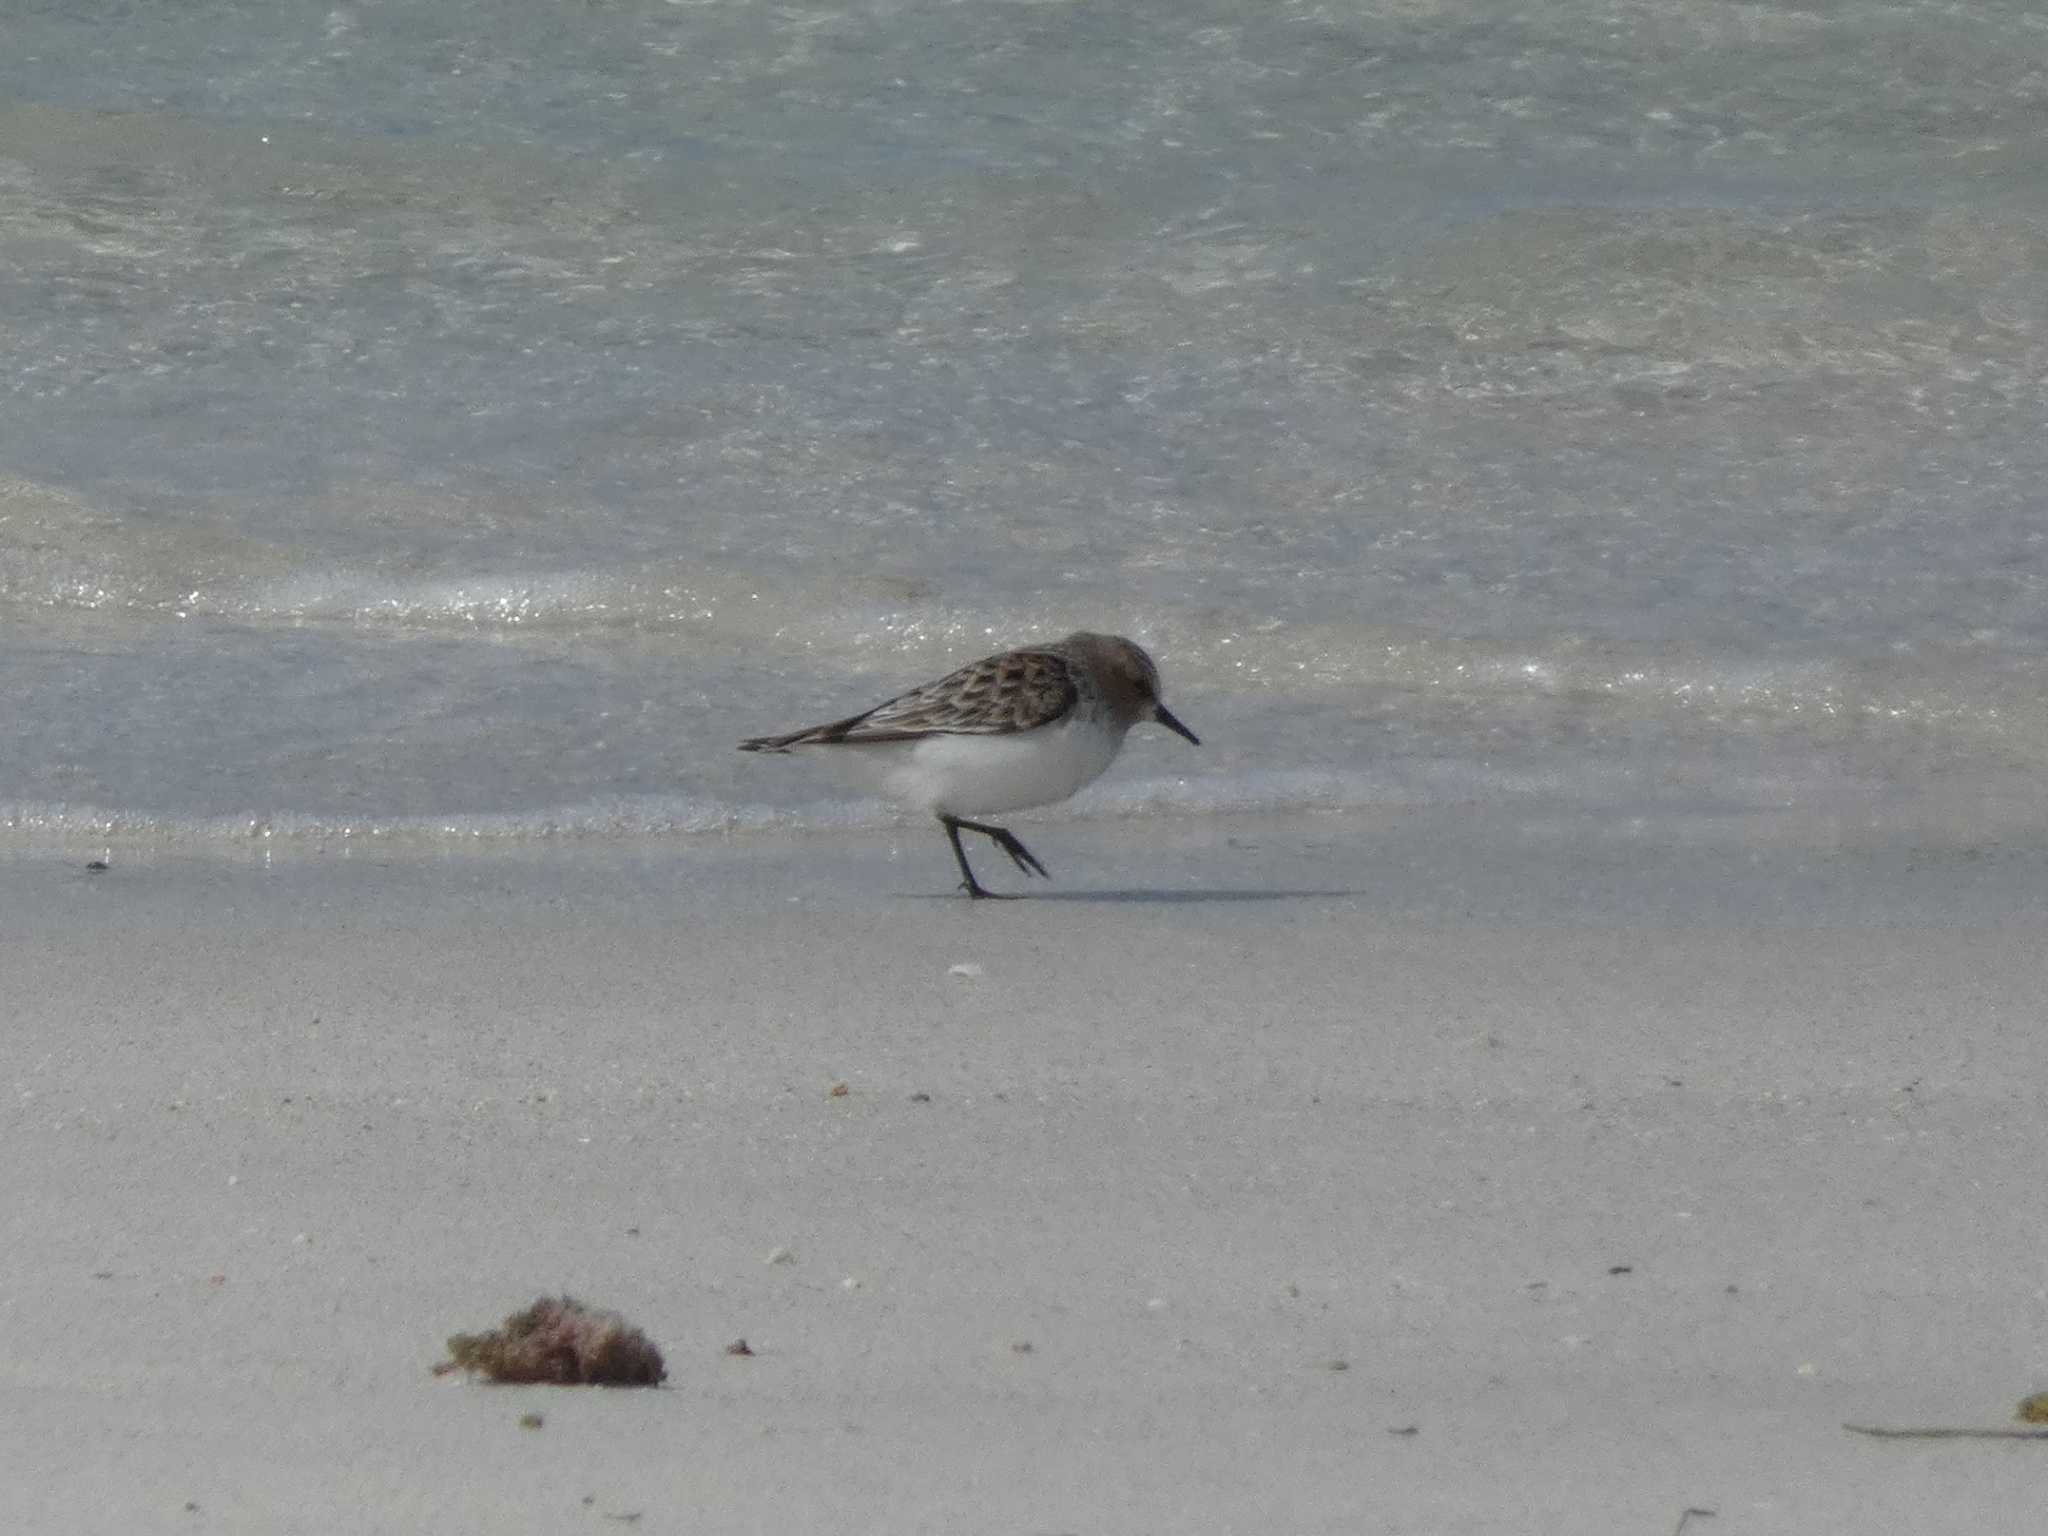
(1026, 727)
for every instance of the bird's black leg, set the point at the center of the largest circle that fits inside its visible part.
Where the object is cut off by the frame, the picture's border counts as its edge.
(968, 883)
(1004, 839)
(1007, 841)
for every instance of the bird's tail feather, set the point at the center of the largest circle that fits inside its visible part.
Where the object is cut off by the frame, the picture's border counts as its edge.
(817, 735)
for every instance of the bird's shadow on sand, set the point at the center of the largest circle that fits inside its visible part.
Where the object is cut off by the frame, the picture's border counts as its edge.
(1159, 898)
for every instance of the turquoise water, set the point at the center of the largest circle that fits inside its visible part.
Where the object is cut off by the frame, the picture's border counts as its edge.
(464, 421)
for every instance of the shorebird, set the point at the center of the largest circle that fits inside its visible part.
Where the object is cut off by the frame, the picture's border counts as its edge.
(1022, 728)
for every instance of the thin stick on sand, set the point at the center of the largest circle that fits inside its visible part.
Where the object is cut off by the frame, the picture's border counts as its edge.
(1879, 1432)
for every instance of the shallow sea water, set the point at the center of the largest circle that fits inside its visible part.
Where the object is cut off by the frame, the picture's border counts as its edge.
(464, 422)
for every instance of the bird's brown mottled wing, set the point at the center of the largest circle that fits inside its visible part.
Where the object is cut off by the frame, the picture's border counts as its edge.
(1016, 691)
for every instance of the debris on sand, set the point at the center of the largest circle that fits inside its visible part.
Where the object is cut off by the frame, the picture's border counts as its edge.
(559, 1340)
(1944, 1432)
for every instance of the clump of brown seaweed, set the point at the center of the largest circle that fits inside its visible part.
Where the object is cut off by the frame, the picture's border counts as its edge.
(560, 1341)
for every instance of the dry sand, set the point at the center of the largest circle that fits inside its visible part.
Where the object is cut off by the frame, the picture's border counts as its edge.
(1457, 1174)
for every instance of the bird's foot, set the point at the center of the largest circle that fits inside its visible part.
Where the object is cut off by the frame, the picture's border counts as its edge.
(976, 892)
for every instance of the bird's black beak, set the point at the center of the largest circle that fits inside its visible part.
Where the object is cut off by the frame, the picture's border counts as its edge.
(1165, 717)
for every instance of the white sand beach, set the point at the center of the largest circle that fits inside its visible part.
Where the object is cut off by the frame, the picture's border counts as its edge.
(1568, 1041)
(1463, 1174)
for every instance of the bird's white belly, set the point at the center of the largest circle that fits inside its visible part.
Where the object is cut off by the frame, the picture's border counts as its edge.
(984, 775)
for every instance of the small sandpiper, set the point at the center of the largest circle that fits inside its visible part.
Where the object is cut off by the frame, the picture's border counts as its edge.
(1026, 727)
